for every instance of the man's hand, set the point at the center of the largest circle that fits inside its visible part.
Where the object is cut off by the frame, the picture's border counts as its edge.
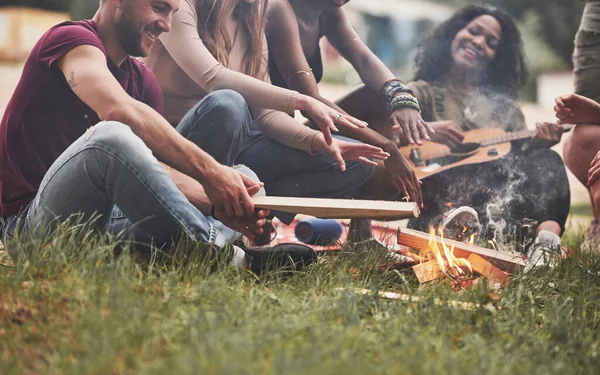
(447, 133)
(249, 226)
(404, 176)
(594, 172)
(411, 126)
(547, 134)
(576, 109)
(229, 191)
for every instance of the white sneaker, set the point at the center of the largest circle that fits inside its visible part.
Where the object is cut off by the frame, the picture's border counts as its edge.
(546, 250)
(461, 223)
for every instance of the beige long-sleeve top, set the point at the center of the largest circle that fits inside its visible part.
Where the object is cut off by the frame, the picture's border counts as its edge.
(187, 71)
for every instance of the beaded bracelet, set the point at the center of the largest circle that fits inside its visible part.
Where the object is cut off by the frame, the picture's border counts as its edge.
(393, 87)
(404, 101)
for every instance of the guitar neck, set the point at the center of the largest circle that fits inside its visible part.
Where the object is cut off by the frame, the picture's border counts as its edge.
(514, 136)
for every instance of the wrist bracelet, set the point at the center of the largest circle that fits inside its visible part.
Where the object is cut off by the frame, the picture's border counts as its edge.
(393, 87)
(404, 101)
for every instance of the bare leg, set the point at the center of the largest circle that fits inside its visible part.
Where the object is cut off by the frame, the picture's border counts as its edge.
(579, 151)
(551, 226)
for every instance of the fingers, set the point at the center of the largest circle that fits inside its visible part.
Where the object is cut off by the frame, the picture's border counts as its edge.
(415, 133)
(422, 126)
(339, 160)
(367, 161)
(262, 213)
(541, 132)
(352, 122)
(327, 135)
(454, 137)
(593, 174)
(429, 128)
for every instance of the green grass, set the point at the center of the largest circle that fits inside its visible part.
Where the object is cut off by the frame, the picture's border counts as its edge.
(75, 307)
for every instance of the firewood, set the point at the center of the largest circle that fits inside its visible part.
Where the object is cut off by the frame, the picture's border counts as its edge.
(339, 208)
(506, 261)
(485, 268)
(428, 271)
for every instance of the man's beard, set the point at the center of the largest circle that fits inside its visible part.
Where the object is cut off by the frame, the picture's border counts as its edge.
(129, 36)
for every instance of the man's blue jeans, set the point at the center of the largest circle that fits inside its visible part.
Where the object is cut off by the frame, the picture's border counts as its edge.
(109, 167)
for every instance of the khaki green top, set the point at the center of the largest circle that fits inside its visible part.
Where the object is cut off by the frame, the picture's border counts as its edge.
(476, 111)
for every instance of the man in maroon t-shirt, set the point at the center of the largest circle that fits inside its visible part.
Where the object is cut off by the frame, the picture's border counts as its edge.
(79, 133)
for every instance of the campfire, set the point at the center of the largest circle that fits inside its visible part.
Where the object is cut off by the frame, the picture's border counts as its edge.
(461, 262)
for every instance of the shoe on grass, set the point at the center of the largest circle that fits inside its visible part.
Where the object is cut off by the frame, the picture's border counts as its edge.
(545, 251)
(284, 256)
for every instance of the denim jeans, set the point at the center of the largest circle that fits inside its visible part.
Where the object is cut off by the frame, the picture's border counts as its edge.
(287, 171)
(231, 136)
(109, 167)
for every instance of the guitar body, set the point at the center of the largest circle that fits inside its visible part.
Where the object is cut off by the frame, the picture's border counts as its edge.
(436, 157)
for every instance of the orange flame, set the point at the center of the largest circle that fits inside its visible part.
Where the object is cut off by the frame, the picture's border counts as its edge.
(444, 255)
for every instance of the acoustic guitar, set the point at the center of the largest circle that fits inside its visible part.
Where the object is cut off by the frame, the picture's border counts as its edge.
(479, 146)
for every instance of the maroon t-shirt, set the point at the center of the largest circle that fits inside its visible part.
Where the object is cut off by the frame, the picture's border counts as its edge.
(44, 116)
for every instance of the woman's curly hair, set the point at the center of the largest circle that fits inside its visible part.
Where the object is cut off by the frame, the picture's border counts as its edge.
(506, 74)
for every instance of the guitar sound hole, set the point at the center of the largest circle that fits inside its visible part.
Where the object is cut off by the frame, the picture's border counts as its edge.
(465, 148)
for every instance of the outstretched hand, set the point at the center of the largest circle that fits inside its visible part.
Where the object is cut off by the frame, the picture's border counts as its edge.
(447, 132)
(328, 119)
(404, 177)
(411, 126)
(576, 109)
(342, 150)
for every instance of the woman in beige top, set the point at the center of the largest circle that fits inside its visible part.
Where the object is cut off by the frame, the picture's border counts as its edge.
(216, 45)
(187, 71)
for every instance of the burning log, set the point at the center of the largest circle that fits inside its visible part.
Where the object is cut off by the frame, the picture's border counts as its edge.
(428, 271)
(505, 261)
(485, 268)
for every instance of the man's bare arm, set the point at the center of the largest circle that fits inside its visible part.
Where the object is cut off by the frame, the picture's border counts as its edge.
(85, 69)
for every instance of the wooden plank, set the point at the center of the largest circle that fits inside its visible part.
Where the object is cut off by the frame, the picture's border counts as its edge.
(506, 261)
(339, 208)
(485, 268)
(428, 271)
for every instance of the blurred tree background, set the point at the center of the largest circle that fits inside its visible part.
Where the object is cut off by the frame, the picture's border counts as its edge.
(548, 28)
(553, 21)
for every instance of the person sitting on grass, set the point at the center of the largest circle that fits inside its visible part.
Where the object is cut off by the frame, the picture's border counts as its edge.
(581, 147)
(83, 131)
(469, 73)
(221, 44)
(294, 29)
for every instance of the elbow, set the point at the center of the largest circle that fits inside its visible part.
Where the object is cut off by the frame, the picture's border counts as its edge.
(120, 112)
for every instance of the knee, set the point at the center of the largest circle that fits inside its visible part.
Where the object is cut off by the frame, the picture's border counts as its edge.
(581, 147)
(250, 173)
(230, 106)
(359, 172)
(116, 136)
